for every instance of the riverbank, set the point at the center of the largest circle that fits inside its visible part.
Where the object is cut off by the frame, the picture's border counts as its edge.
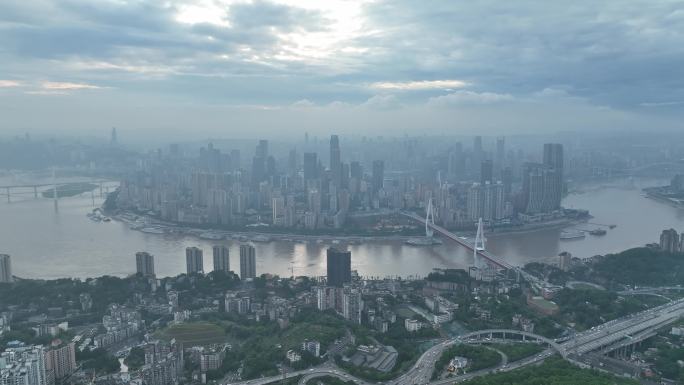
(152, 225)
(657, 194)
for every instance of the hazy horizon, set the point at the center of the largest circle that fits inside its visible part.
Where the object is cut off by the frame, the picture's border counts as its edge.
(271, 68)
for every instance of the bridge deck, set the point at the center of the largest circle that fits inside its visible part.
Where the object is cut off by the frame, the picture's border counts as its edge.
(484, 254)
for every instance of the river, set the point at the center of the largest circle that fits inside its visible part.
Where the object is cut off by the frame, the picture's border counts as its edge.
(49, 243)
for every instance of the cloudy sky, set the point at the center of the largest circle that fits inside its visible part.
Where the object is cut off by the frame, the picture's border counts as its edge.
(243, 68)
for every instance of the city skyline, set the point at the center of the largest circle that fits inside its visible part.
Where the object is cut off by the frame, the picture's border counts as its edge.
(386, 191)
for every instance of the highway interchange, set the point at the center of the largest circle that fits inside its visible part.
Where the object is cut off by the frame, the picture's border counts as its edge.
(603, 338)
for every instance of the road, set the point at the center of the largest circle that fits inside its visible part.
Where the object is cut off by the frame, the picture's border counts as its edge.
(632, 328)
(609, 336)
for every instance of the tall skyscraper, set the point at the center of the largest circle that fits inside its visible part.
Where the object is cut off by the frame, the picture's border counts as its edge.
(507, 179)
(553, 155)
(5, 268)
(262, 149)
(335, 161)
(378, 176)
(278, 210)
(474, 202)
(194, 260)
(144, 263)
(553, 183)
(355, 170)
(338, 267)
(247, 262)
(500, 153)
(310, 166)
(486, 172)
(221, 258)
(669, 241)
(533, 188)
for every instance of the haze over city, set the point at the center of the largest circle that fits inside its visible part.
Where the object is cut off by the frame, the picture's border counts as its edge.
(241, 68)
(338, 192)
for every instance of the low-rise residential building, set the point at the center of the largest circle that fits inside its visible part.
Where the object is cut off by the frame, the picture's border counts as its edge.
(412, 325)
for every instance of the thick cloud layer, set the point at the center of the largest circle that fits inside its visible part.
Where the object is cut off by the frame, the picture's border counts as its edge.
(400, 66)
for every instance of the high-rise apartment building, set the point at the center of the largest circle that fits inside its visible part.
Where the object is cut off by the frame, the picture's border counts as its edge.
(60, 359)
(335, 161)
(338, 267)
(278, 210)
(553, 160)
(352, 305)
(500, 154)
(669, 241)
(221, 258)
(486, 172)
(533, 188)
(5, 268)
(310, 166)
(194, 260)
(474, 202)
(378, 176)
(144, 263)
(247, 262)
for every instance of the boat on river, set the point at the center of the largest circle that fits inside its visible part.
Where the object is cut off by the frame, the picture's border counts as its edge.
(569, 235)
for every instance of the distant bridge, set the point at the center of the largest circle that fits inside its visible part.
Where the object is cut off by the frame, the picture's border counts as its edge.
(33, 188)
(490, 258)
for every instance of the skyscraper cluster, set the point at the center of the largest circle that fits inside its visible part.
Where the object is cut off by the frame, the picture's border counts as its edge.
(339, 294)
(215, 189)
(308, 191)
(543, 183)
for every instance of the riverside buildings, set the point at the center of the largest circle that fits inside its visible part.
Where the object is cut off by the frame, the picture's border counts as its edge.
(221, 258)
(194, 260)
(338, 267)
(349, 187)
(144, 263)
(247, 262)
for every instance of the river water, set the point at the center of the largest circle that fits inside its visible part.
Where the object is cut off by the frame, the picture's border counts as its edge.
(49, 243)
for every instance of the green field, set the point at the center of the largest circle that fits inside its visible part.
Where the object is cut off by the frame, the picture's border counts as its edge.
(194, 334)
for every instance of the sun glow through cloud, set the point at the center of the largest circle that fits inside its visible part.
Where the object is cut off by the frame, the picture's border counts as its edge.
(420, 85)
(57, 86)
(9, 83)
